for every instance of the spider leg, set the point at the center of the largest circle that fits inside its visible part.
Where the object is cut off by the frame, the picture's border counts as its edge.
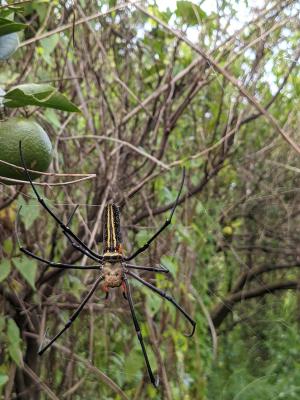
(167, 297)
(57, 265)
(155, 381)
(64, 227)
(73, 243)
(48, 262)
(72, 215)
(72, 318)
(161, 268)
(83, 251)
(167, 222)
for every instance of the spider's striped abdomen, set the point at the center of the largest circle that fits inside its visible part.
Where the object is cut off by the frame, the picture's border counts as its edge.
(112, 239)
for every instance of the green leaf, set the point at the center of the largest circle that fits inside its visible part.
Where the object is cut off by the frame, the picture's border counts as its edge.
(27, 269)
(29, 213)
(134, 362)
(8, 45)
(171, 264)
(154, 302)
(8, 26)
(15, 353)
(13, 332)
(52, 117)
(47, 46)
(4, 269)
(13, 336)
(189, 12)
(3, 379)
(8, 246)
(42, 95)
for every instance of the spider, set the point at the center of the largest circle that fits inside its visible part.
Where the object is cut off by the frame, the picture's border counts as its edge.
(113, 266)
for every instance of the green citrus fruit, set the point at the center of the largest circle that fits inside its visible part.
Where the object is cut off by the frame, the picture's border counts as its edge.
(36, 147)
(8, 45)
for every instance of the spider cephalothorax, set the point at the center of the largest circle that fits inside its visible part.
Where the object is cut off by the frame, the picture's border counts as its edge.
(112, 264)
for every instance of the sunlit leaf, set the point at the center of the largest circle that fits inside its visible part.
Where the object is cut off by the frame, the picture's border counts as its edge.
(189, 12)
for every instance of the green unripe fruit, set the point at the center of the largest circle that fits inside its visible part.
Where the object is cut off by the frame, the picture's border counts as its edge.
(36, 148)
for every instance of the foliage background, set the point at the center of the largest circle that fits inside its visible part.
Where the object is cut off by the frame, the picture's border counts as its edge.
(150, 103)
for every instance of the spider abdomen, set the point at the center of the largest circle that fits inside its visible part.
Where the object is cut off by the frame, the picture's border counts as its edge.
(112, 274)
(112, 238)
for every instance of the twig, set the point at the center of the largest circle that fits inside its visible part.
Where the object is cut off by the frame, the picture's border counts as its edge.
(40, 172)
(92, 176)
(35, 378)
(71, 24)
(212, 328)
(136, 149)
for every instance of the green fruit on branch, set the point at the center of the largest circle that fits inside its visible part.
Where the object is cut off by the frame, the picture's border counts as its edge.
(36, 148)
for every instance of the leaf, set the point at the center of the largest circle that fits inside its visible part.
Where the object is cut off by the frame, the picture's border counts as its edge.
(13, 332)
(15, 353)
(8, 246)
(27, 269)
(4, 269)
(13, 335)
(47, 46)
(190, 13)
(42, 95)
(154, 302)
(3, 379)
(52, 117)
(29, 213)
(8, 45)
(134, 362)
(8, 26)
(171, 264)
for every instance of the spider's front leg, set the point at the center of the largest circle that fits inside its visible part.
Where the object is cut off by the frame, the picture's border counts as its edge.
(67, 231)
(160, 230)
(43, 260)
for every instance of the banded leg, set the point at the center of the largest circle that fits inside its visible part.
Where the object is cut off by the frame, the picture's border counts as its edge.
(64, 227)
(73, 316)
(168, 222)
(161, 268)
(154, 381)
(167, 297)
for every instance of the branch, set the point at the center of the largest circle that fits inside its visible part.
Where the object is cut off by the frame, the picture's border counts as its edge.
(220, 312)
(72, 24)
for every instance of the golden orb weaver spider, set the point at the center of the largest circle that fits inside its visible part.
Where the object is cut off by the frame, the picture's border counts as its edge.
(112, 264)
